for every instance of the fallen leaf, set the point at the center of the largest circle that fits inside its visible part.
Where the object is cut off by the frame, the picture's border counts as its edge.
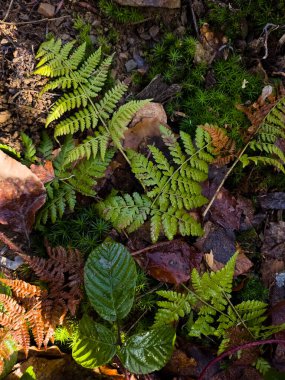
(243, 264)
(44, 172)
(110, 372)
(274, 241)
(21, 195)
(225, 210)
(145, 126)
(272, 201)
(277, 314)
(269, 268)
(218, 240)
(170, 262)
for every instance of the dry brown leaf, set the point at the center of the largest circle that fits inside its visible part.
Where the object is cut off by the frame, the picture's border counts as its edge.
(145, 125)
(171, 262)
(243, 264)
(21, 195)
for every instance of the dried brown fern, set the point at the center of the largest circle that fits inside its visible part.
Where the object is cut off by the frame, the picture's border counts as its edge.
(41, 310)
(224, 146)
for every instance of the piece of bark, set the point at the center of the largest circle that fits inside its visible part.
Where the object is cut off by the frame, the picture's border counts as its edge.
(158, 90)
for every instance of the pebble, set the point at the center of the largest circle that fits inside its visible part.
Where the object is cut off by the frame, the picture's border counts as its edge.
(46, 9)
(131, 65)
(153, 31)
(4, 41)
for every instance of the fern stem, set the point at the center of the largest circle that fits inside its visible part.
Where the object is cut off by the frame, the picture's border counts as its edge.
(236, 349)
(205, 302)
(237, 314)
(177, 170)
(104, 124)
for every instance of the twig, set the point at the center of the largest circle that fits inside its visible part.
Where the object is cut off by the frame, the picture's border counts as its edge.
(266, 31)
(10, 244)
(224, 179)
(90, 8)
(194, 20)
(236, 349)
(8, 11)
(154, 246)
(34, 21)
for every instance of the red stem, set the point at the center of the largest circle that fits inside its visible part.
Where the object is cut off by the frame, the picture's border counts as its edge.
(238, 348)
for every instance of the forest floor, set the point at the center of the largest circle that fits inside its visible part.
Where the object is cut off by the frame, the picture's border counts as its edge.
(242, 67)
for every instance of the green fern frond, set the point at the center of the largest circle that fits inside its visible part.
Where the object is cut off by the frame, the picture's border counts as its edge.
(46, 146)
(29, 148)
(121, 118)
(127, 211)
(85, 175)
(266, 137)
(262, 365)
(90, 147)
(177, 306)
(56, 204)
(9, 150)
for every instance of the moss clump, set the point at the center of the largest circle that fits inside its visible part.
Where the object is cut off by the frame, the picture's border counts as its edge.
(83, 230)
(200, 102)
(239, 15)
(253, 289)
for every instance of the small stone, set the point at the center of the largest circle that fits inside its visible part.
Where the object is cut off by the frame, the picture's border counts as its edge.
(131, 65)
(4, 41)
(65, 37)
(96, 23)
(153, 31)
(93, 39)
(124, 55)
(145, 36)
(4, 116)
(47, 10)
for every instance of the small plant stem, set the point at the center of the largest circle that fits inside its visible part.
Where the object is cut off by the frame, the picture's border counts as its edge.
(224, 179)
(136, 322)
(177, 170)
(237, 314)
(205, 302)
(236, 349)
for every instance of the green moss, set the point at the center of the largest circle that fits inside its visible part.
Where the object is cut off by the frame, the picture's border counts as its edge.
(124, 15)
(253, 289)
(256, 14)
(201, 103)
(83, 230)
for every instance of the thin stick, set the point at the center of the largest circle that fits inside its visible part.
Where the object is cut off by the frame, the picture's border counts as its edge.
(8, 11)
(224, 179)
(194, 20)
(154, 246)
(236, 349)
(10, 244)
(35, 21)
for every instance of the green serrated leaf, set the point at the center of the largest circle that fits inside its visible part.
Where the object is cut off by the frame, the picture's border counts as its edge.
(94, 345)
(110, 280)
(149, 351)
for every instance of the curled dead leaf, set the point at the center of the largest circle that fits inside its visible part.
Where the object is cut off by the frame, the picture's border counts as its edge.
(21, 195)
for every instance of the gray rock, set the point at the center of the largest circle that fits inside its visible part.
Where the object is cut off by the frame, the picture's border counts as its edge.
(131, 65)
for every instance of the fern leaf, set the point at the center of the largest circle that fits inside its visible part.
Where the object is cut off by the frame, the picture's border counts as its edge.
(177, 306)
(29, 148)
(121, 118)
(46, 147)
(127, 211)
